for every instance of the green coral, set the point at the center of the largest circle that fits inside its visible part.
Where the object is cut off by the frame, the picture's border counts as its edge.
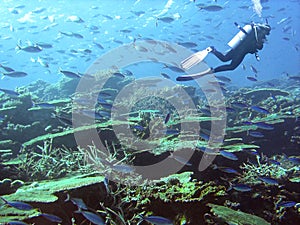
(174, 188)
(44, 191)
(231, 216)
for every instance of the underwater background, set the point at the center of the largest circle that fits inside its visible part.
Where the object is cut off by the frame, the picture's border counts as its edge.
(95, 129)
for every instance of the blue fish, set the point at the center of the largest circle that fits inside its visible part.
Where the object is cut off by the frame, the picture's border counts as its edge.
(260, 109)
(172, 132)
(138, 127)
(77, 201)
(157, 220)
(51, 217)
(239, 104)
(167, 118)
(18, 205)
(10, 92)
(264, 126)
(256, 134)
(241, 187)
(268, 180)
(286, 204)
(273, 161)
(17, 223)
(228, 155)
(92, 217)
(228, 170)
(251, 151)
(294, 160)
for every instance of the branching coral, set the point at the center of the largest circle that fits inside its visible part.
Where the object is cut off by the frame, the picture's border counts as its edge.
(48, 163)
(175, 188)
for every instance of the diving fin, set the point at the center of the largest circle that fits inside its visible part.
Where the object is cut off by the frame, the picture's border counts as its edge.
(195, 75)
(195, 58)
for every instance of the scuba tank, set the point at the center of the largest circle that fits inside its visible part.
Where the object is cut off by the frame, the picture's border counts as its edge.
(240, 36)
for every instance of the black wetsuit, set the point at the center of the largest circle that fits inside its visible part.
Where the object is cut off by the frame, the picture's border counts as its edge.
(237, 54)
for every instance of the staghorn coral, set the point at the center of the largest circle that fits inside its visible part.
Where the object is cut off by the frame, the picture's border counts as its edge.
(49, 163)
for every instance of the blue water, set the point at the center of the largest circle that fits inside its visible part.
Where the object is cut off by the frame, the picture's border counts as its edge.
(280, 56)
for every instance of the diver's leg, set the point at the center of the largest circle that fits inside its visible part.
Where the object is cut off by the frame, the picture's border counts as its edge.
(234, 64)
(223, 58)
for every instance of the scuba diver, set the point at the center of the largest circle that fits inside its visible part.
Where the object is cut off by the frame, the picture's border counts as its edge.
(249, 39)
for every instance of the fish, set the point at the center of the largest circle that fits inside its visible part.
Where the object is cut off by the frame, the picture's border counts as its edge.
(126, 31)
(241, 187)
(18, 205)
(157, 220)
(165, 75)
(286, 204)
(15, 74)
(52, 218)
(167, 118)
(174, 68)
(138, 127)
(98, 45)
(180, 159)
(251, 151)
(138, 13)
(44, 45)
(223, 78)
(256, 134)
(166, 19)
(228, 155)
(6, 68)
(69, 74)
(273, 161)
(264, 126)
(77, 35)
(239, 104)
(294, 160)
(228, 170)
(92, 217)
(260, 109)
(268, 180)
(15, 222)
(251, 78)
(171, 132)
(211, 8)
(10, 92)
(188, 44)
(29, 48)
(253, 69)
(44, 105)
(38, 10)
(77, 201)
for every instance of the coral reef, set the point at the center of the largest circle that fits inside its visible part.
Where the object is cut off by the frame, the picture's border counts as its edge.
(230, 216)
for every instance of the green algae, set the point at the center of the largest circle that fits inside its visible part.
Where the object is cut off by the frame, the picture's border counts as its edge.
(231, 216)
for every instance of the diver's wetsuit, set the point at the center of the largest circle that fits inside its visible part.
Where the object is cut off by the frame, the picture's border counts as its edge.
(249, 45)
